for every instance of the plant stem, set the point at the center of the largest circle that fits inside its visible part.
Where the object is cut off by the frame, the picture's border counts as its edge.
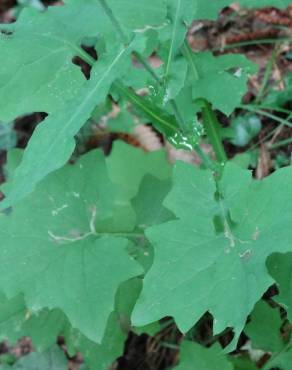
(187, 52)
(267, 75)
(280, 144)
(212, 128)
(114, 21)
(254, 42)
(148, 68)
(211, 123)
(261, 112)
(85, 56)
(206, 160)
(179, 117)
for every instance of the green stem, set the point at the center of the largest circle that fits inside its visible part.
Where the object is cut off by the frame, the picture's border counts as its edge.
(265, 138)
(178, 116)
(85, 56)
(206, 160)
(180, 120)
(280, 144)
(211, 123)
(267, 75)
(261, 112)
(147, 66)
(271, 107)
(187, 52)
(255, 42)
(212, 128)
(114, 21)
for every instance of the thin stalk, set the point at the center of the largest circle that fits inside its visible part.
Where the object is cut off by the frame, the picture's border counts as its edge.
(261, 112)
(280, 144)
(263, 140)
(206, 160)
(212, 126)
(180, 120)
(114, 21)
(85, 56)
(211, 123)
(178, 116)
(148, 68)
(267, 75)
(250, 43)
(270, 107)
(187, 52)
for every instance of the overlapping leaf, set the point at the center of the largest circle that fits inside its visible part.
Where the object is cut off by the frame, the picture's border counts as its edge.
(53, 140)
(59, 259)
(265, 334)
(207, 72)
(43, 328)
(37, 73)
(280, 267)
(198, 260)
(264, 328)
(54, 359)
(17, 321)
(74, 243)
(194, 356)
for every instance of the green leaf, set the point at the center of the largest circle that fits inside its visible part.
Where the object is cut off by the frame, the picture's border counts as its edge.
(280, 97)
(149, 210)
(127, 167)
(181, 13)
(52, 360)
(194, 356)
(179, 10)
(44, 327)
(50, 147)
(132, 15)
(59, 237)
(17, 321)
(148, 203)
(264, 328)
(36, 69)
(207, 72)
(123, 122)
(139, 15)
(243, 364)
(197, 263)
(264, 332)
(281, 361)
(162, 120)
(279, 266)
(101, 356)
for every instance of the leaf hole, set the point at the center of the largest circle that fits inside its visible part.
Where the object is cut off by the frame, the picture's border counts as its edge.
(82, 63)
(25, 126)
(5, 33)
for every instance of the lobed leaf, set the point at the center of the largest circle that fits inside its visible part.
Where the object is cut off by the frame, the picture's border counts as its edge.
(194, 356)
(197, 260)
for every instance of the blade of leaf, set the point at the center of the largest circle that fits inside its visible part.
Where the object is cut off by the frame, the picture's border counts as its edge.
(53, 140)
